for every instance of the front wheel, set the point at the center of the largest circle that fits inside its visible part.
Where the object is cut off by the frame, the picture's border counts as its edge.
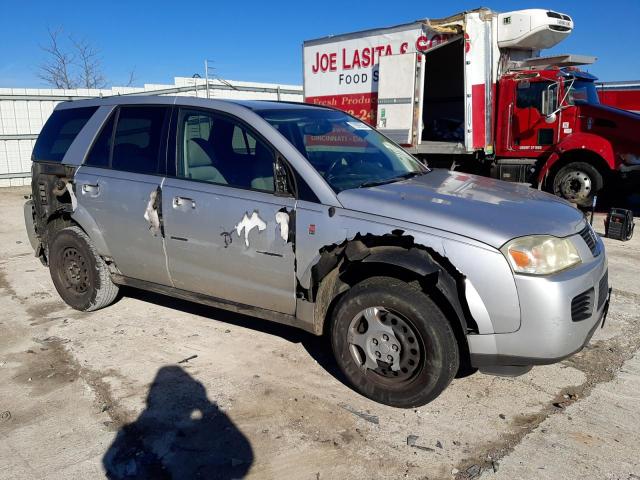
(578, 182)
(393, 343)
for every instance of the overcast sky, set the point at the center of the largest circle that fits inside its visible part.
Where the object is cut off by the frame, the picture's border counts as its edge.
(261, 41)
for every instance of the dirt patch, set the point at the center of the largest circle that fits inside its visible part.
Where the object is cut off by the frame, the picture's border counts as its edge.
(45, 367)
(5, 284)
(49, 365)
(599, 361)
(39, 311)
(104, 399)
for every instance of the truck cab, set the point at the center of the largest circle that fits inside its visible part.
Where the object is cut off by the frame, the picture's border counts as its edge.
(553, 117)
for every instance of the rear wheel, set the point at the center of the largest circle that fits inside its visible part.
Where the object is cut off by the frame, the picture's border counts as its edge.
(79, 274)
(393, 343)
(578, 182)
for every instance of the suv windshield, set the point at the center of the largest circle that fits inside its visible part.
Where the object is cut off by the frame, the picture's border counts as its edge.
(582, 91)
(345, 151)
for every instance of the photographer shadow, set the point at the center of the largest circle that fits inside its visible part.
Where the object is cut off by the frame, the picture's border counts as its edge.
(180, 434)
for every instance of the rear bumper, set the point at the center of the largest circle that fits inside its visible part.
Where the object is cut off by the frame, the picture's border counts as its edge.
(547, 334)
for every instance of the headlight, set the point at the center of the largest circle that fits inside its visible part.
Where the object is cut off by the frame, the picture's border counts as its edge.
(540, 254)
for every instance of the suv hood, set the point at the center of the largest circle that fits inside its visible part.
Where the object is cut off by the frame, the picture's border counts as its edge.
(487, 210)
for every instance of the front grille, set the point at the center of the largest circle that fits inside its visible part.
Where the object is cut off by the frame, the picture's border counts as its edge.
(559, 16)
(603, 289)
(591, 239)
(582, 306)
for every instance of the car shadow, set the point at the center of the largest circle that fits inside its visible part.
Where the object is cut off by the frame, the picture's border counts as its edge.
(318, 347)
(180, 434)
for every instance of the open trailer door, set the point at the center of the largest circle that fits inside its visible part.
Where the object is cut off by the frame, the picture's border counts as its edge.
(397, 116)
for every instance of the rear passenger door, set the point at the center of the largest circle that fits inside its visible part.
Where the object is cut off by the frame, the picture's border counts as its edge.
(119, 186)
(227, 228)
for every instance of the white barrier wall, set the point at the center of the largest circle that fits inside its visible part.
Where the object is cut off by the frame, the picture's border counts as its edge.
(23, 112)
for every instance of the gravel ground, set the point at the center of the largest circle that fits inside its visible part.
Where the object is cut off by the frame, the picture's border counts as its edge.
(153, 387)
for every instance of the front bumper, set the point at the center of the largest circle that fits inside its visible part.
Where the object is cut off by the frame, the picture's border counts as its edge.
(29, 224)
(547, 332)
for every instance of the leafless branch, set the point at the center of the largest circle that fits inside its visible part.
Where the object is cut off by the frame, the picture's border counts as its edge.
(88, 61)
(132, 78)
(56, 70)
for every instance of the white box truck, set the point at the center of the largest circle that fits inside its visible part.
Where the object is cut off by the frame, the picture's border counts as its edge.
(472, 91)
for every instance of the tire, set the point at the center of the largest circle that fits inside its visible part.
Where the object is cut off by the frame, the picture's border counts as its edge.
(390, 306)
(578, 182)
(79, 274)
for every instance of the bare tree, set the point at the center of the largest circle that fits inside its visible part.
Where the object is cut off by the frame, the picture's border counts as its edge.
(73, 63)
(57, 69)
(88, 61)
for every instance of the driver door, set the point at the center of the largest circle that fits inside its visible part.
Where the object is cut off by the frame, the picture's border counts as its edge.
(530, 128)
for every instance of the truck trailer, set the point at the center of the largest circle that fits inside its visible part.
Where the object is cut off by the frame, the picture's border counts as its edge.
(623, 95)
(472, 92)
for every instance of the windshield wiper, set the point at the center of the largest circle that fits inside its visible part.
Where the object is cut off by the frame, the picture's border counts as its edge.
(375, 183)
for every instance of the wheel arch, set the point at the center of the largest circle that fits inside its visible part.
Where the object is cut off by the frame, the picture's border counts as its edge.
(86, 222)
(587, 147)
(342, 267)
(578, 155)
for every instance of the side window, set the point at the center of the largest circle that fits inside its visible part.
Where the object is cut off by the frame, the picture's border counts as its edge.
(216, 149)
(136, 142)
(242, 141)
(59, 132)
(101, 149)
(530, 95)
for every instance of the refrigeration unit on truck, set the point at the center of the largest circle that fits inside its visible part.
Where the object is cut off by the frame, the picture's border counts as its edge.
(472, 92)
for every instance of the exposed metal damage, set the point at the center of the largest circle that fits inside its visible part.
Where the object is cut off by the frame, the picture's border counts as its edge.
(248, 223)
(282, 219)
(74, 200)
(151, 213)
(340, 266)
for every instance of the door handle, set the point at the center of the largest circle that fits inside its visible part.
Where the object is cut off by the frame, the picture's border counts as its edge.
(183, 201)
(92, 189)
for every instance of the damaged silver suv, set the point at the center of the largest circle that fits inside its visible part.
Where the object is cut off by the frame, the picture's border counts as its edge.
(306, 216)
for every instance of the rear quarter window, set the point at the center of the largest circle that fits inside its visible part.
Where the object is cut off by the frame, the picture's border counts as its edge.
(59, 132)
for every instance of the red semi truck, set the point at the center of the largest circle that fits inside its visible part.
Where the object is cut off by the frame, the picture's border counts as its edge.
(472, 92)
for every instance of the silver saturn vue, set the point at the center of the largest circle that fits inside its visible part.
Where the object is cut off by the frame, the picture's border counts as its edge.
(306, 216)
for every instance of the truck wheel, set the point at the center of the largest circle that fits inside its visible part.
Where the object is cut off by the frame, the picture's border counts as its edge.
(578, 182)
(393, 343)
(78, 272)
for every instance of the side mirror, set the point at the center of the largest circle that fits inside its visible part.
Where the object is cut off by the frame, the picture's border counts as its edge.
(550, 101)
(551, 118)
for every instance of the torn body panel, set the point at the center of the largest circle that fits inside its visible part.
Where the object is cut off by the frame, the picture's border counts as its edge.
(283, 219)
(443, 258)
(52, 197)
(152, 212)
